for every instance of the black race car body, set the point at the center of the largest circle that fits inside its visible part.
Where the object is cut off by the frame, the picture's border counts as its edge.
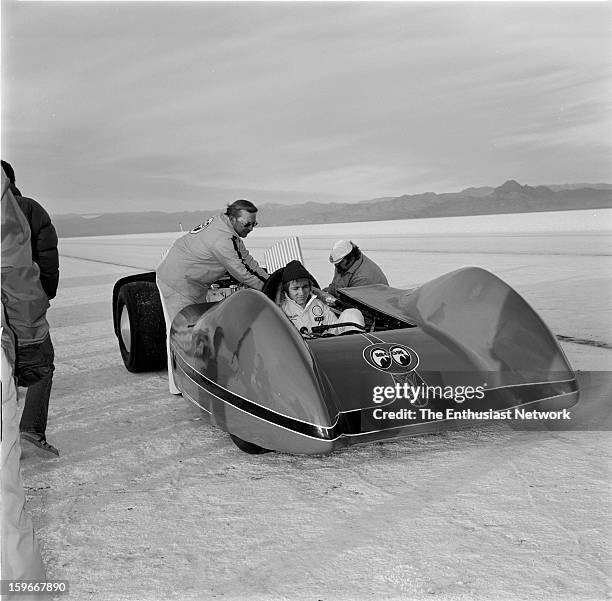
(462, 347)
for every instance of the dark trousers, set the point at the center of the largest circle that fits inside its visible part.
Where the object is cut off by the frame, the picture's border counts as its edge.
(36, 406)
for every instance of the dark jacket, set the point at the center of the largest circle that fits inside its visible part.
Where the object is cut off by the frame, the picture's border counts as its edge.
(24, 303)
(362, 272)
(44, 243)
(24, 300)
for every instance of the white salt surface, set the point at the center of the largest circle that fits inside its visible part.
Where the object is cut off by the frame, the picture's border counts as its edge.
(149, 502)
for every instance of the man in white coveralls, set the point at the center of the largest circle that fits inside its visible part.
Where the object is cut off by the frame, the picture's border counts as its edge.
(202, 256)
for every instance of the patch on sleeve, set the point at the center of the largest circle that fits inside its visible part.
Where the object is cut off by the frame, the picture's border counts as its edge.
(202, 226)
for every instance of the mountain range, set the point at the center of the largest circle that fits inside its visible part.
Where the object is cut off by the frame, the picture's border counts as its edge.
(511, 197)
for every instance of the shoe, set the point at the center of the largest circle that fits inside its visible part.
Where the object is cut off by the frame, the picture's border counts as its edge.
(39, 441)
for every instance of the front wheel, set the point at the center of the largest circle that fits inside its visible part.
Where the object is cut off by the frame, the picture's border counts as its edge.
(141, 327)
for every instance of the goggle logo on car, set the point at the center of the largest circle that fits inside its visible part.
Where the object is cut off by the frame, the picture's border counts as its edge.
(391, 358)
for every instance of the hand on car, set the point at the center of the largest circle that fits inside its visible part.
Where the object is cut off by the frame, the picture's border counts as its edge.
(325, 296)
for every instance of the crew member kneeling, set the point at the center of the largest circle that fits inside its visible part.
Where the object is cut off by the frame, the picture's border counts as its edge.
(305, 310)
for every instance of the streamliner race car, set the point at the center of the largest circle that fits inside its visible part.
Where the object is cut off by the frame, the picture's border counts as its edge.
(464, 346)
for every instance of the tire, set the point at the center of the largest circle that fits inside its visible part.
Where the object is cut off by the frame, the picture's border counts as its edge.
(248, 447)
(141, 328)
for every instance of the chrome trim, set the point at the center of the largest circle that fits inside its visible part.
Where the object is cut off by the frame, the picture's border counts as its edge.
(192, 400)
(248, 400)
(335, 424)
(276, 425)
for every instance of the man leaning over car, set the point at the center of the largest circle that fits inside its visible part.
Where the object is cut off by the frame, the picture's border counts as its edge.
(352, 268)
(202, 256)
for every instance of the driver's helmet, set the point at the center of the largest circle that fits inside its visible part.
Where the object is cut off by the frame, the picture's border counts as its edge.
(353, 316)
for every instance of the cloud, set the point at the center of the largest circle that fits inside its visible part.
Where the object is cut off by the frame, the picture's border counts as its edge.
(291, 99)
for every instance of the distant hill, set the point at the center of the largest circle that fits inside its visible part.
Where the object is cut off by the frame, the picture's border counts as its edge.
(511, 197)
(556, 188)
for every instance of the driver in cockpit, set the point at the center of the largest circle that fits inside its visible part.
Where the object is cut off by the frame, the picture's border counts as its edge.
(305, 310)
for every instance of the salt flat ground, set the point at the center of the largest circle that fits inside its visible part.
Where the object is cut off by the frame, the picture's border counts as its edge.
(149, 502)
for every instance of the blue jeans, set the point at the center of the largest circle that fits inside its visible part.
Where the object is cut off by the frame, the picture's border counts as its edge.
(36, 406)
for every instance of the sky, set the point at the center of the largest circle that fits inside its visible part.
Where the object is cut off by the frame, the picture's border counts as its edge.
(134, 106)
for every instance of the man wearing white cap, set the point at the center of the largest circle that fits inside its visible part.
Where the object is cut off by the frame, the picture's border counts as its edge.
(353, 268)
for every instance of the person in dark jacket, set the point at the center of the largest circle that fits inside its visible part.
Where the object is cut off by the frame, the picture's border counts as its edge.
(353, 268)
(33, 423)
(44, 236)
(24, 330)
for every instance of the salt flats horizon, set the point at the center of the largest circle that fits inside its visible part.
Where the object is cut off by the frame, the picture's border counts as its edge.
(587, 220)
(559, 261)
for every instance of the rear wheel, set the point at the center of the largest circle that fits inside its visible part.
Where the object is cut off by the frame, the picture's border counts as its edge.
(141, 327)
(248, 447)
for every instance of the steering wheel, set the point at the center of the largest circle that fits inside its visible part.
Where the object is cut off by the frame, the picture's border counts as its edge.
(324, 328)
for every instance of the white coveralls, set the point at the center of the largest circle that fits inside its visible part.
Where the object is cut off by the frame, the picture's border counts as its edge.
(195, 261)
(317, 313)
